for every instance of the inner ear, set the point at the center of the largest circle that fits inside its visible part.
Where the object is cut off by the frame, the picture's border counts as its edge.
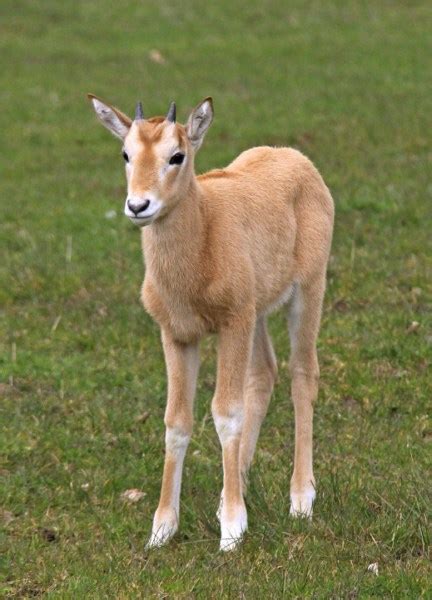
(111, 117)
(199, 121)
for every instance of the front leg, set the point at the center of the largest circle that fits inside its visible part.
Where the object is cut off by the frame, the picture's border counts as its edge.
(235, 341)
(182, 364)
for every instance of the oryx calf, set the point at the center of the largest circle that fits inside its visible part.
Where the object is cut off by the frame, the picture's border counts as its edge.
(222, 250)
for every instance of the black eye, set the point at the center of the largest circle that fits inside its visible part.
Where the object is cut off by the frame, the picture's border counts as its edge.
(176, 159)
(125, 156)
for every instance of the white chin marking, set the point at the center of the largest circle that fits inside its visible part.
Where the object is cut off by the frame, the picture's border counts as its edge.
(142, 222)
(232, 531)
(302, 504)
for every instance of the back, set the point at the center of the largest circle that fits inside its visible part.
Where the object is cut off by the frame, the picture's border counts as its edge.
(262, 199)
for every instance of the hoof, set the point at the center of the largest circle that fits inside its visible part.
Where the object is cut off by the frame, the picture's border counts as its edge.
(233, 530)
(302, 504)
(230, 544)
(163, 530)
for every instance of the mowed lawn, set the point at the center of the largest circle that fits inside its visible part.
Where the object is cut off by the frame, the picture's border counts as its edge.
(81, 367)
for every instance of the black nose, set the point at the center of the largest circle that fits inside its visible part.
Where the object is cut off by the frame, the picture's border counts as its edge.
(137, 207)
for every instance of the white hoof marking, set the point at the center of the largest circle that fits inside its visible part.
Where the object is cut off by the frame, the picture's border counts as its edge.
(162, 531)
(302, 504)
(232, 531)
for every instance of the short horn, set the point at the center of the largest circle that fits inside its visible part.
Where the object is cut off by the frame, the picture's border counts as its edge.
(139, 114)
(171, 116)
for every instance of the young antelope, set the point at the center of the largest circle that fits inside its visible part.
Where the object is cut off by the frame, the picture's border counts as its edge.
(222, 250)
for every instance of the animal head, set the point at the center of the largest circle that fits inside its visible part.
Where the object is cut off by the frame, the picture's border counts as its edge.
(158, 154)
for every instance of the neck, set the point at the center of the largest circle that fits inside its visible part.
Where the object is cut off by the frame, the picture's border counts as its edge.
(173, 246)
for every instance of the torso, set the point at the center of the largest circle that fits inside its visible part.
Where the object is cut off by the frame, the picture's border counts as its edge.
(195, 298)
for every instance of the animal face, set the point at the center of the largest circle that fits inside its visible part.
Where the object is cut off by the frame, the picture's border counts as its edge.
(159, 156)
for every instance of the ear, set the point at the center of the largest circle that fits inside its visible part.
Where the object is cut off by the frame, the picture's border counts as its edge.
(199, 121)
(110, 117)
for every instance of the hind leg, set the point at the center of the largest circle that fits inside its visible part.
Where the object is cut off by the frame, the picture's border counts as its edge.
(304, 322)
(261, 376)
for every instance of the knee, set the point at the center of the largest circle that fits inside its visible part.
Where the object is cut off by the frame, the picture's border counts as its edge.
(305, 367)
(228, 423)
(176, 439)
(304, 386)
(179, 416)
(178, 427)
(301, 374)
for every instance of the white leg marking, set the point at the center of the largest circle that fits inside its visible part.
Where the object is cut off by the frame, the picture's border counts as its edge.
(176, 443)
(165, 523)
(232, 530)
(302, 503)
(232, 527)
(229, 427)
(164, 527)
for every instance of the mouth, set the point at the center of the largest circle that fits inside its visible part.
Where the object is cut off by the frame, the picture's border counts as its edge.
(144, 220)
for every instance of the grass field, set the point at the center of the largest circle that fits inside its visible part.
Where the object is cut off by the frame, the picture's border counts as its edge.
(348, 83)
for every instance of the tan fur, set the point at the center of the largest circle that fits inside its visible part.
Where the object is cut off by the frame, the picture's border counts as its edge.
(228, 247)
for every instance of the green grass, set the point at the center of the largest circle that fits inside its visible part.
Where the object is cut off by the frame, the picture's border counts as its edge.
(349, 84)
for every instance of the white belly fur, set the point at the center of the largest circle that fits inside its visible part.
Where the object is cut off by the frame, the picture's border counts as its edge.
(280, 300)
